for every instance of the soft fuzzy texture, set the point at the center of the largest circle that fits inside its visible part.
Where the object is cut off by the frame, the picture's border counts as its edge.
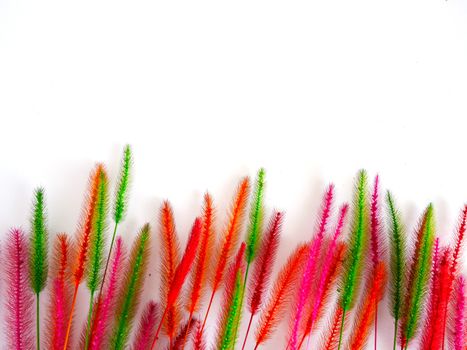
(170, 258)
(430, 317)
(19, 304)
(60, 294)
(256, 218)
(226, 336)
(38, 257)
(147, 327)
(458, 323)
(102, 316)
(230, 236)
(262, 269)
(397, 259)
(123, 184)
(418, 277)
(374, 291)
(199, 278)
(129, 297)
(264, 263)
(310, 266)
(328, 274)
(330, 341)
(356, 247)
(97, 238)
(281, 295)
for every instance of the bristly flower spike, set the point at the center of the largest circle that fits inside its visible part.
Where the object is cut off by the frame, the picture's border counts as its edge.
(226, 336)
(418, 277)
(229, 241)
(254, 230)
(199, 277)
(181, 272)
(84, 238)
(19, 297)
(170, 258)
(310, 266)
(119, 206)
(146, 327)
(38, 256)
(458, 333)
(281, 295)
(96, 248)
(375, 243)
(397, 248)
(453, 269)
(356, 247)
(263, 267)
(60, 294)
(131, 290)
(102, 315)
(330, 270)
(373, 295)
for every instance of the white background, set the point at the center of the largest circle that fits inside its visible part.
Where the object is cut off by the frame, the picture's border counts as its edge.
(207, 92)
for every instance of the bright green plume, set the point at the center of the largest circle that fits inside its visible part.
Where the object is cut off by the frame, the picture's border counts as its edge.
(121, 194)
(96, 252)
(256, 218)
(38, 257)
(356, 245)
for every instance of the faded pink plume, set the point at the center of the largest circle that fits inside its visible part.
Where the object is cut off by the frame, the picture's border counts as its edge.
(147, 327)
(20, 302)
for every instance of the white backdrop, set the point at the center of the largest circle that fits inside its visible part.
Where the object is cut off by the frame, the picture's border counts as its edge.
(209, 91)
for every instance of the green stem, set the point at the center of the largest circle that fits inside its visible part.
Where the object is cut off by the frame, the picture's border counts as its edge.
(341, 330)
(38, 322)
(396, 322)
(91, 302)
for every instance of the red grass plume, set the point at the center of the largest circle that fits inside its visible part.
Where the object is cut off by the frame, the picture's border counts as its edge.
(185, 265)
(430, 318)
(19, 296)
(374, 292)
(146, 327)
(181, 273)
(264, 263)
(330, 340)
(170, 258)
(281, 295)
(185, 331)
(198, 281)
(199, 340)
(60, 294)
(434, 336)
(263, 267)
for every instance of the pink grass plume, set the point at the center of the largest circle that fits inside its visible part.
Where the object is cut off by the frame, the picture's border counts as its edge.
(310, 266)
(20, 300)
(103, 311)
(146, 327)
